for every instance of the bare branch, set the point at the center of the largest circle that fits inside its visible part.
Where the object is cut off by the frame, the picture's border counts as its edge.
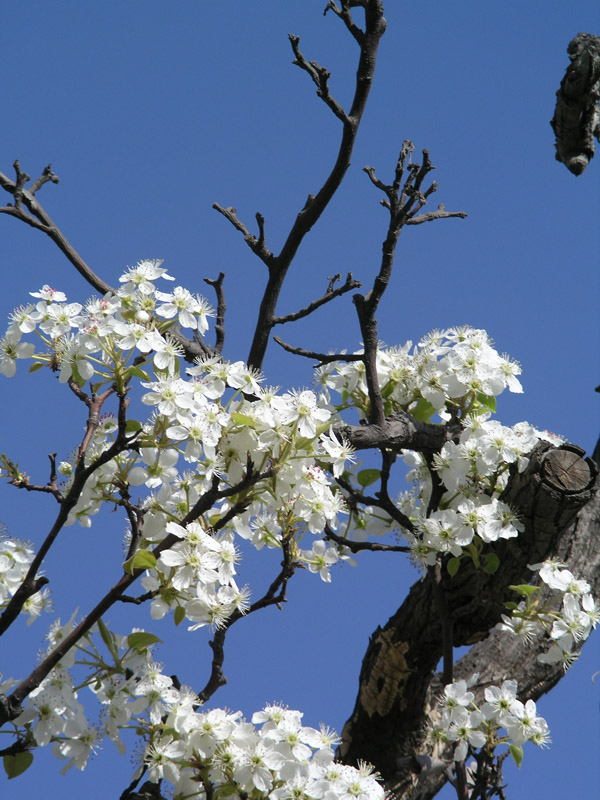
(46, 176)
(320, 76)
(322, 358)
(38, 218)
(357, 547)
(275, 595)
(329, 295)
(344, 14)
(400, 431)
(315, 205)
(217, 285)
(257, 245)
(441, 213)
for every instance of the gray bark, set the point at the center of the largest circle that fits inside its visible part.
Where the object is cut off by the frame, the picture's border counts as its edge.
(576, 120)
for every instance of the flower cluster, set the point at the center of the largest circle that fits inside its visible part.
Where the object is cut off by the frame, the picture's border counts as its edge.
(470, 727)
(213, 429)
(567, 618)
(456, 374)
(15, 559)
(273, 756)
(219, 457)
(452, 372)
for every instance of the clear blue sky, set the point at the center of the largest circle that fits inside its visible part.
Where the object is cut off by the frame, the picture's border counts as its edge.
(151, 111)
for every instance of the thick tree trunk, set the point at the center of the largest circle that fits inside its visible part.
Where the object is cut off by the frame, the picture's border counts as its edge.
(559, 504)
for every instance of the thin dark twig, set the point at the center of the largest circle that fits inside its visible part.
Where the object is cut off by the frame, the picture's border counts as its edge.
(316, 203)
(329, 295)
(320, 77)
(38, 218)
(345, 15)
(322, 358)
(217, 284)
(256, 244)
(122, 442)
(435, 576)
(357, 547)
(275, 595)
(441, 213)
(46, 176)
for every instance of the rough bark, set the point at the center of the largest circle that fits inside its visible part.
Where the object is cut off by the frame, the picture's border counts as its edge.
(559, 504)
(576, 120)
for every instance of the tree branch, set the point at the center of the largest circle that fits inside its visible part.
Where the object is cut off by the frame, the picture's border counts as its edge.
(576, 120)
(557, 499)
(329, 295)
(315, 205)
(38, 218)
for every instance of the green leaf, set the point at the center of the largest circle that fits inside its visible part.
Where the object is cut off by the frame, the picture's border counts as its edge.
(179, 615)
(142, 559)
(34, 368)
(106, 635)
(423, 411)
(525, 589)
(516, 752)
(243, 419)
(368, 476)
(141, 641)
(132, 426)
(453, 566)
(16, 765)
(487, 401)
(491, 562)
(136, 372)
(388, 389)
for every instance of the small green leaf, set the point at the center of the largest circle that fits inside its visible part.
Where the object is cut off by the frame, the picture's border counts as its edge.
(516, 752)
(141, 641)
(423, 411)
(368, 476)
(142, 559)
(136, 372)
(453, 566)
(17, 764)
(487, 401)
(491, 562)
(34, 368)
(132, 426)
(106, 635)
(243, 419)
(388, 389)
(179, 615)
(525, 589)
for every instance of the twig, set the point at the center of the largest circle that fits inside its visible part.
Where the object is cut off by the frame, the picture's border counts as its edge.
(275, 595)
(256, 244)
(368, 41)
(356, 547)
(441, 213)
(38, 218)
(329, 295)
(320, 77)
(217, 284)
(435, 576)
(69, 501)
(322, 358)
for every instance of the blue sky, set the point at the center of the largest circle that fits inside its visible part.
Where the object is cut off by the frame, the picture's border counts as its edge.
(151, 111)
